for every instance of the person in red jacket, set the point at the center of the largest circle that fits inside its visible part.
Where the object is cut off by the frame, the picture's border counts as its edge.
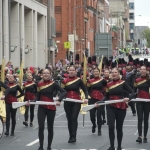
(116, 112)
(30, 90)
(142, 85)
(11, 97)
(46, 89)
(96, 86)
(72, 85)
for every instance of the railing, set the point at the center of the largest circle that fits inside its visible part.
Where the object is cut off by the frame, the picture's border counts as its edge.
(45, 2)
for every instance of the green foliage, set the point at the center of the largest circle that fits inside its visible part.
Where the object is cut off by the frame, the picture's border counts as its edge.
(114, 28)
(146, 35)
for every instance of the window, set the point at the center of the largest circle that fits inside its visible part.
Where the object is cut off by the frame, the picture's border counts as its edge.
(131, 25)
(131, 15)
(58, 34)
(131, 36)
(57, 9)
(131, 5)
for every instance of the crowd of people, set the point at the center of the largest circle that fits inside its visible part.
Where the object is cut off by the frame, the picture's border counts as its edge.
(114, 80)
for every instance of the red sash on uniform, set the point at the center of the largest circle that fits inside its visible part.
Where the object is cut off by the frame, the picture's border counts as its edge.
(29, 96)
(10, 99)
(46, 99)
(143, 94)
(97, 95)
(73, 95)
(121, 105)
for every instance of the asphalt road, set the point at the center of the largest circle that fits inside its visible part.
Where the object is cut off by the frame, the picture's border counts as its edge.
(26, 138)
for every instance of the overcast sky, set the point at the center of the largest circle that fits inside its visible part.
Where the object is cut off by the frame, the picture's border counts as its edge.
(142, 7)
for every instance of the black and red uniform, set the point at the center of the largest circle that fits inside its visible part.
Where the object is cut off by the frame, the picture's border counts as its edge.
(142, 85)
(114, 91)
(30, 90)
(11, 97)
(45, 93)
(97, 86)
(72, 85)
(107, 79)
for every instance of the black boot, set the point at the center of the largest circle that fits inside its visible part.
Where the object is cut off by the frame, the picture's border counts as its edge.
(40, 148)
(49, 148)
(70, 140)
(93, 128)
(99, 133)
(31, 124)
(111, 148)
(73, 138)
(144, 140)
(25, 123)
(12, 134)
(139, 140)
(7, 133)
(119, 148)
(104, 121)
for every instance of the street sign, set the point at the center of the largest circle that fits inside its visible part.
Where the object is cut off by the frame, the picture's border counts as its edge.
(67, 45)
(71, 40)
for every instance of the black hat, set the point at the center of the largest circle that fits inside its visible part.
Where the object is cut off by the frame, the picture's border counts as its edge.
(71, 64)
(145, 61)
(130, 60)
(94, 60)
(89, 61)
(119, 62)
(113, 64)
(77, 59)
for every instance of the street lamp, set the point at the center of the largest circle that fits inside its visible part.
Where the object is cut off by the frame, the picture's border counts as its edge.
(75, 29)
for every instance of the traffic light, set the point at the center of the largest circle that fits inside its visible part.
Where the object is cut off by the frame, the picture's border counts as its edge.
(138, 41)
(86, 52)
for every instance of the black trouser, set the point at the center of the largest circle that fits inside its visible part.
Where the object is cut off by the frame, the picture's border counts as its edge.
(118, 115)
(10, 112)
(31, 113)
(143, 108)
(72, 111)
(132, 105)
(103, 112)
(42, 113)
(93, 111)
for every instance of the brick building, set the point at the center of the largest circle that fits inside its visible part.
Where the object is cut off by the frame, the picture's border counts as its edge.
(84, 24)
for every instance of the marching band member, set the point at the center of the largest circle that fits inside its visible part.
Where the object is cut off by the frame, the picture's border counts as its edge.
(9, 99)
(129, 79)
(30, 89)
(72, 85)
(107, 79)
(116, 112)
(96, 86)
(45, 92)
(142, 84)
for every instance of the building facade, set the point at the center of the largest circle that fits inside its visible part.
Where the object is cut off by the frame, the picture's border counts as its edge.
(131, 18)
(23, 32)
(139, 39)
(119, 10)
(75, 23)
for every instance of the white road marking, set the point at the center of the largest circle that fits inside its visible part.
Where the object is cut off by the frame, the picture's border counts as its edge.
(32, 143)
(60, 115)
(136, 132)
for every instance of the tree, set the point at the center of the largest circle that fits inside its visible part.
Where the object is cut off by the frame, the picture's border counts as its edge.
(146, 35)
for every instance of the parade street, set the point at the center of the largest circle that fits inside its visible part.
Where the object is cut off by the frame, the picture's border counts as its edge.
(26, 138)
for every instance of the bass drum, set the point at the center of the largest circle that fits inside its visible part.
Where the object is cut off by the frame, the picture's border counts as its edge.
(1, 127)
